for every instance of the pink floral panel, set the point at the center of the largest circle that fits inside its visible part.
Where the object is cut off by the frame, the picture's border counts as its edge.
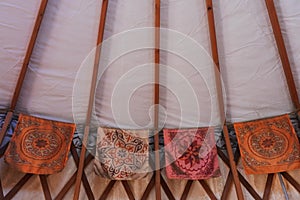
(191, 153)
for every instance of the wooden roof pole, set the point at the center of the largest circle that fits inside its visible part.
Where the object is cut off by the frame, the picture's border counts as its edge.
(282, 52)
(156, 100)
(91, 99)
(285, 65)
(214, 49)
(24, 68)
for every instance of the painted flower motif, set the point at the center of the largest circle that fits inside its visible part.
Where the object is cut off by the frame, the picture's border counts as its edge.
(191, 155)
(40, 143)
(122, 153)
(270, 146)
(267, 142)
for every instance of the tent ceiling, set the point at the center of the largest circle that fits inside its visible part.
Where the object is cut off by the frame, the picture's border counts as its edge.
(254, 84)
(252, 74)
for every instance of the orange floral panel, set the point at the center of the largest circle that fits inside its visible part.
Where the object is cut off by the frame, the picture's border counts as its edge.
(39, 146)
(122, 154)
(268, 145)
(191, 154)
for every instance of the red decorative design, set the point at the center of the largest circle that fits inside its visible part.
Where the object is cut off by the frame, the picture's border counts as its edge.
(191, 154)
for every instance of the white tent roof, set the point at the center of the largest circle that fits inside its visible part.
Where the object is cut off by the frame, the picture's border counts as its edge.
(59, 71)
(253, 77)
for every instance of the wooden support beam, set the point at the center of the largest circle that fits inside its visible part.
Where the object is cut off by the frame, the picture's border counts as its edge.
(156, 100)
(151, 184)
(71, 181)
(24, 68)
(186, 190)
(85, 181)
(207, 189)
(214, 49)
(284, 61)
(227, 186)
(17, 187)
(1, 190)
(128, 190)
(107, 190)
(268, 186)
(45, 187)
(291, 180)
(282, 52)
(149, 187)
(229, 179)
(166, 189)
(91, 99)
(242, 179)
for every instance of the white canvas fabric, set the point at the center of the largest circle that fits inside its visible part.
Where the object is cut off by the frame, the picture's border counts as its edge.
(254, 88)
(254, 82)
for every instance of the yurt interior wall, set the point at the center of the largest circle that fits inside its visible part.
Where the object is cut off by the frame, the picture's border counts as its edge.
(57, 82)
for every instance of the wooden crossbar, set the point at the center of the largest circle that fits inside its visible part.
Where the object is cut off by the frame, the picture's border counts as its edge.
(152, 183)
(291, 180)
(149, 187)
(44, 182)
(17, 187)
(45, 187)
(229, 179)
(85, 181)
(128, 190)
(245, 183)
(166, 189)
(107, 190)
(268, 186)
(71, 181)
(186, 190)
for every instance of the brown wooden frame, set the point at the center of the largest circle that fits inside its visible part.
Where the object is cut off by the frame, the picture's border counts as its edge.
(24, 68)
(157, 180)
(16, 95)
(91, 99)
(156, 100)
(215, 57)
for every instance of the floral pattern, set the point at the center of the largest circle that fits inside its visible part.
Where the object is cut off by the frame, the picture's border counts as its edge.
(39, 146)
(268, 145)
(122, 154)
(191, 154)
